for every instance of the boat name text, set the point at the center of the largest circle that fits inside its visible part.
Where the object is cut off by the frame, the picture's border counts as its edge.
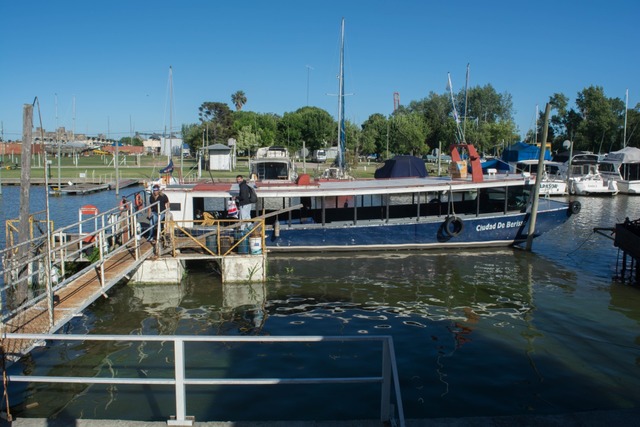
(499, 225)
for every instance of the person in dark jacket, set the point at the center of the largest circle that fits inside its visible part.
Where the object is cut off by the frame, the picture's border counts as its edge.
(158, 203)
(244, 198)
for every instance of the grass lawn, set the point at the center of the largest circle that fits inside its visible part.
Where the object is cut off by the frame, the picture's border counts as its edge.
(102, 167)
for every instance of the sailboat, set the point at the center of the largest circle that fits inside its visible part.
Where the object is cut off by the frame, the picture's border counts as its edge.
(166, 174)
(339, 170)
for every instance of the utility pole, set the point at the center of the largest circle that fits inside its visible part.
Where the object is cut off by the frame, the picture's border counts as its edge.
(309, 68)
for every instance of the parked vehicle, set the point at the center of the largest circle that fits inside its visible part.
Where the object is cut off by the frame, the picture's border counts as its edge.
(319, 156)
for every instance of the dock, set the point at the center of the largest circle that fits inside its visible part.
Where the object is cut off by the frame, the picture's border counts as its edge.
(72, 189)
(48, 280)
(626, 237)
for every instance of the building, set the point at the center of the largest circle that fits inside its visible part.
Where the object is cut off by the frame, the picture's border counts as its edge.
(219, 157)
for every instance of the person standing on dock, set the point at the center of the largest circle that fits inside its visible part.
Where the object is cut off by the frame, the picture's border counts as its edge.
(244, 199)
(158, 203)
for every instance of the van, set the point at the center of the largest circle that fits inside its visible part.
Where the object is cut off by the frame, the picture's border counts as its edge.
(319, 156)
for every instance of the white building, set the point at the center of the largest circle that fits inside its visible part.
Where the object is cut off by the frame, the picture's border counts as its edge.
(170, 146)
(219, 157)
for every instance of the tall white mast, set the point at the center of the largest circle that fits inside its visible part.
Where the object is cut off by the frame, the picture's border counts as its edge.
(626, 107)
(341, 128)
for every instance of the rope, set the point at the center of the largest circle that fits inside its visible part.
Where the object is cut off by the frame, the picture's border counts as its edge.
(453, 210)
(5, 384)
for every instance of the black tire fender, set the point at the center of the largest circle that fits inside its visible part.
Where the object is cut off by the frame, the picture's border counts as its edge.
(574, 208)
(453, 226)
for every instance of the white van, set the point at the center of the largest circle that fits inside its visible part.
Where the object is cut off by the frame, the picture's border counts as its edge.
(319, 156)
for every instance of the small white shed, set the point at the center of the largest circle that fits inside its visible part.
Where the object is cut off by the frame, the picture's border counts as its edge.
(219, 157)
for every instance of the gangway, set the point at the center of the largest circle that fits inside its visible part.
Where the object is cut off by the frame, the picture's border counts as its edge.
(39, 293)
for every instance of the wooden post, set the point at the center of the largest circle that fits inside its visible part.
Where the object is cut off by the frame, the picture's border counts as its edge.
(539, 175)
(22, 288)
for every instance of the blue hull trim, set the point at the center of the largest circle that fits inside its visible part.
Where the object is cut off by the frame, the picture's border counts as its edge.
(500, 230)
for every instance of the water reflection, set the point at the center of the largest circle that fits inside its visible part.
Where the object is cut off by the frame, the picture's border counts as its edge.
(476, 333)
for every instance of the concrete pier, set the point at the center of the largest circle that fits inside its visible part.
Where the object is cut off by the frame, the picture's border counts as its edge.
(236, 268)
(243, 268)
(159, 270)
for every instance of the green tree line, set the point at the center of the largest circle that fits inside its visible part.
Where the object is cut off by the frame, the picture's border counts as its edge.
(482, 116)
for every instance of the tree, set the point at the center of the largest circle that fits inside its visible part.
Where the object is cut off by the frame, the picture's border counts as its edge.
(239, 99)
(312, 125)
(633, 124)
(601, 122)
(218, 117)
(374, 134)
(254, 130)
(136, 141)
(408, 134)
(353, 139)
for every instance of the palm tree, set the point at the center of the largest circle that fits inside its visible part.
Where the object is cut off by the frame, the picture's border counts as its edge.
(239, 99)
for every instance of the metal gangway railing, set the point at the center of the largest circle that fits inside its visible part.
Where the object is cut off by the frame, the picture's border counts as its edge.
(34, 270)
(388, 380)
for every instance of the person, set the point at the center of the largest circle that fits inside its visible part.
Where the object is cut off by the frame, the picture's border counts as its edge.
(138, 202)
(243, 199)
(124, 204)
(158, 203)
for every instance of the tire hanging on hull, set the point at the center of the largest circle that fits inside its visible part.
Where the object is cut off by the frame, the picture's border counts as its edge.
(453, 226)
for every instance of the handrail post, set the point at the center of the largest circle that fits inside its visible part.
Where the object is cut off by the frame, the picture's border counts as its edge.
(180, 391)
(134, 226)
(385, 393)
(100, 242)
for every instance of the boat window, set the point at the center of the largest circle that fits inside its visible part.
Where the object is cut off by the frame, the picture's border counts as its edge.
(607, 167)
(631, 171)
(214, 204)
(271, 170)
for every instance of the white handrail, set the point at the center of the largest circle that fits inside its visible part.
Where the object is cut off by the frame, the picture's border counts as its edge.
(388, 376)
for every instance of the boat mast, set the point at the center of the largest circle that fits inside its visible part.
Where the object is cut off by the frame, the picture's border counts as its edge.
(626, 107)
(171, 118)
(58, 146)
(341, 128)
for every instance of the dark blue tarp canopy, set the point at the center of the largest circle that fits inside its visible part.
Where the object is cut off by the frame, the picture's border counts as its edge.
(402, 167)
(523, 151)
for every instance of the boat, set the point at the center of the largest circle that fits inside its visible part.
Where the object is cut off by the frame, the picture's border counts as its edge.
(623, 166)
(411, 212)
(583, 176)
(523, 158)
(165, 178)
(394, 210)
(552, 182)
(272, 164)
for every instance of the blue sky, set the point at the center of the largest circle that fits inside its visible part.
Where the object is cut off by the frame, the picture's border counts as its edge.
(113, 57)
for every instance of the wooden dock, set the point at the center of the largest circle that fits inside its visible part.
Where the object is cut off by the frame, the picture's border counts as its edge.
(87, 188)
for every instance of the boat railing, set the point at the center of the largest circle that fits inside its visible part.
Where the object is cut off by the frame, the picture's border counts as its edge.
(391, 408)
(216, 237)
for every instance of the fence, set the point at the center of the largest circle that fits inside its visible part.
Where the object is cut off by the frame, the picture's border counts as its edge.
(388, 378)
(33, 270)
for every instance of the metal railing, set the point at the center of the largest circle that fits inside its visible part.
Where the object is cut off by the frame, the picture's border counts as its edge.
(388, 378)
(33, 270)
(217, 237)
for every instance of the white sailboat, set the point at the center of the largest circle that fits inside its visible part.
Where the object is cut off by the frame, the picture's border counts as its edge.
(339, 172)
